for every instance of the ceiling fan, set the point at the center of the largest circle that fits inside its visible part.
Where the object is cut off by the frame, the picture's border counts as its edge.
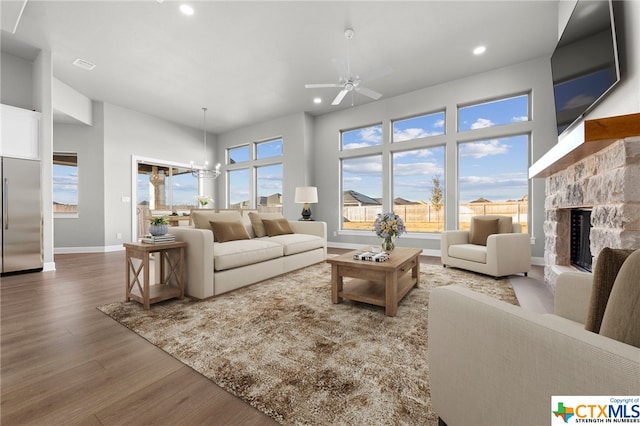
(351, 82)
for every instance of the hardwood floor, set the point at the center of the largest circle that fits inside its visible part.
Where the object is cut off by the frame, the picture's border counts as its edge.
(65, 362)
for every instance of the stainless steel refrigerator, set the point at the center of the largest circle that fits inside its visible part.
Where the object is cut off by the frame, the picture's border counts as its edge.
(21, 216)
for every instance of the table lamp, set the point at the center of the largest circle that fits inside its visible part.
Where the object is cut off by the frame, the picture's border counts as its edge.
(306, 195)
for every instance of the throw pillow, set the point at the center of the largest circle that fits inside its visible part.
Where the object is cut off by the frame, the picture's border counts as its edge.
(229, 231)
(201, 218)
(622, 315)
(607, 267)
(275, 227)
(481, 228)
(256, 222)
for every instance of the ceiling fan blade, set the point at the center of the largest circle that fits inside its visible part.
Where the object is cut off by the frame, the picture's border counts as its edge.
(341, 67)
(376, 74)
(340, 96)
(320, 85)
(368, 92)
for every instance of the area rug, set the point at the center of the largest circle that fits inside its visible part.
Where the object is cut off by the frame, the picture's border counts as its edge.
(284, 348)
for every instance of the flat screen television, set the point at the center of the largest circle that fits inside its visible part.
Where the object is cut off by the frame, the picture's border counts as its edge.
(584, 65)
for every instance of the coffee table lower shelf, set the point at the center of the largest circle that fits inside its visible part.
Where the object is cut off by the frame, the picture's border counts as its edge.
(373, 292)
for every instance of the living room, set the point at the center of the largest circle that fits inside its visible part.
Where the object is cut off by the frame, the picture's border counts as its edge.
(311, 154)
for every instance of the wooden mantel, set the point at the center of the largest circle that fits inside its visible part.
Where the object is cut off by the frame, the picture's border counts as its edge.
(589, 137)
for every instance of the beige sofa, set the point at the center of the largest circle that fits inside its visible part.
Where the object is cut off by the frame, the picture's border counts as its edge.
(505, 252)
(493, 363)
(213, 268)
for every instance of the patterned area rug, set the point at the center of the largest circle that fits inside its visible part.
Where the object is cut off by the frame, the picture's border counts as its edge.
(284, 348)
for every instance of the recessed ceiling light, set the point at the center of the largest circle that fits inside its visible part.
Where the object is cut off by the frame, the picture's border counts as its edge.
(186, 9)
(317, 100)
(479, 50)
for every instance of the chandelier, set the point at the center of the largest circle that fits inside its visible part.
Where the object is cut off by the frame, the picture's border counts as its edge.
(205, 172)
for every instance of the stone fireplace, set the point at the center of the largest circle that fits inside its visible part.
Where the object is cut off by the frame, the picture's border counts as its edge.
(604, 181)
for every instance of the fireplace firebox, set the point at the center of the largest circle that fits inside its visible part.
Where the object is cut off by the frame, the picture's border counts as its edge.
(580, 229)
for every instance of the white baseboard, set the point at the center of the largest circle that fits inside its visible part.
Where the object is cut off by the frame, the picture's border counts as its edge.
(95, 249)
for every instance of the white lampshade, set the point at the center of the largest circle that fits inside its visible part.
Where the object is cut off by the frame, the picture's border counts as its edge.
(306, 194)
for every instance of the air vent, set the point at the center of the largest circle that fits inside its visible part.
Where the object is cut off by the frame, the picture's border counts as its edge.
(84, 64)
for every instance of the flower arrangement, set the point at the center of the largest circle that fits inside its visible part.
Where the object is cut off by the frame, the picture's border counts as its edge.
(203, 200)
(387, 226)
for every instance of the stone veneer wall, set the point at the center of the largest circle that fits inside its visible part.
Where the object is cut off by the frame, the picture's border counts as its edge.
(607, 181)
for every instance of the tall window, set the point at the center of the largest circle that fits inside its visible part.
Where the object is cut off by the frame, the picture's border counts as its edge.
(65, 184)
(239, 188)
(361, 191)
(493, 173)
(258, 174)
(493, 179)
(418, 188)
(269, 188)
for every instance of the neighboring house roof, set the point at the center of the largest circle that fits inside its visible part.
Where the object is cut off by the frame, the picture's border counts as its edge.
(481, 200)
(354, 198)
(403, 202)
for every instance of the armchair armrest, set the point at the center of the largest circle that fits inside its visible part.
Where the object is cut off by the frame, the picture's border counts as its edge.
(573, 292)
(504, 363)
(508, 252)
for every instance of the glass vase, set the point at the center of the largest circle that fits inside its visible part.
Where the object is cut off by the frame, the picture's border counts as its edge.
(388, 244)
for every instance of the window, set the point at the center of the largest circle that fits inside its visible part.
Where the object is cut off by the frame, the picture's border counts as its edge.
(239, 189)
(361, 191)
(493, 179)
(238, 154)
(269, 188)
(418, 127)
(362, 137)
(259, 177)
(65, 184)
(418, 188)
(493, 113)
(269, 149)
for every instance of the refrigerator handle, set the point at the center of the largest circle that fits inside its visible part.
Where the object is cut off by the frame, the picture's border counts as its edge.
(5, 201)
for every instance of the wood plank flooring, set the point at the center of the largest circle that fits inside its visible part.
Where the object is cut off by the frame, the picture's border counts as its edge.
(63, 362)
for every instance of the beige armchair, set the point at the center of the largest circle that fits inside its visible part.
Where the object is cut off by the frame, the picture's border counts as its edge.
(493, 363)
(493, 246)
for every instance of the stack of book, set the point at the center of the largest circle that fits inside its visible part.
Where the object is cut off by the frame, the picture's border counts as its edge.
(371, 256)
(153, 239)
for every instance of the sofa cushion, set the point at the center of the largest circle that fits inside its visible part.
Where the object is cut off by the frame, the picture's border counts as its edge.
(622, 315)
(234, 254)
(229, 231)
(201, 218)
(256, 222)
(275, 227)
(604, 275)
(481, 228)
(470, 252)
(298, 243)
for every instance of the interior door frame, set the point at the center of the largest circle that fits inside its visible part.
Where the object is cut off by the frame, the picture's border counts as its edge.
(135, 160)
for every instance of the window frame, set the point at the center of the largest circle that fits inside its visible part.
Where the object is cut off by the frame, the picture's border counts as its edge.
(71, 214)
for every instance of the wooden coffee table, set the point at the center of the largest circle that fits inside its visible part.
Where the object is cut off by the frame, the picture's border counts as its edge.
(377, 283)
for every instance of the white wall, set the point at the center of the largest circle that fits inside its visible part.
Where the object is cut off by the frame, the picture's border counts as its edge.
(130, 133)
(86, 232)
(16, 80)
(533, 75)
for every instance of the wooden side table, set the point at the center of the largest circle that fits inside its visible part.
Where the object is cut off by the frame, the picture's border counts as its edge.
(171, 272)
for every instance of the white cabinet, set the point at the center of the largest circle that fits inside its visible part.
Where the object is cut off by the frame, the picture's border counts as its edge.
(19, 129)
